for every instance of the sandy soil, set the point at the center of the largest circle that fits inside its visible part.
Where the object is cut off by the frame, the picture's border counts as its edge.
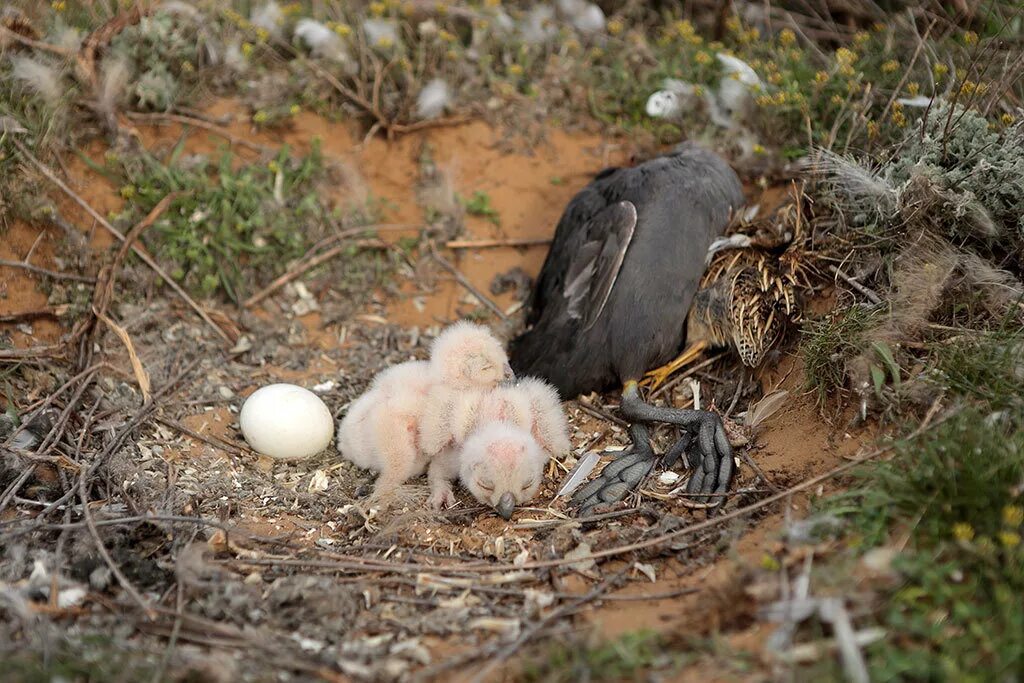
(528, 189)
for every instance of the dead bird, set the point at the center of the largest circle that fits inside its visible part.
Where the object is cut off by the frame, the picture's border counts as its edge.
(386, 428)
(612, 297)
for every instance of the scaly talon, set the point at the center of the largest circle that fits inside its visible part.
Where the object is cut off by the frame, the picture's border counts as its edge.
(655, 378)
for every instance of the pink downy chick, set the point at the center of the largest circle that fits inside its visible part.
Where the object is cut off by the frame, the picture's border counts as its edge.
(531, 404)
(380, 431)
(466, 361)
(502, 466)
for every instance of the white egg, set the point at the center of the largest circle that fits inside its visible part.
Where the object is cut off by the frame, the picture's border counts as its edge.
(286, 421)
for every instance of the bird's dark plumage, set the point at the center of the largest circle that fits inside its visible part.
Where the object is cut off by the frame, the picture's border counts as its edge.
(611, 301)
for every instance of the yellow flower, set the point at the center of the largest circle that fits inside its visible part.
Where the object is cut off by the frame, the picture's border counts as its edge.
(446, 36)
(733, 24)
(763, 100)
(890, 66)
(1009, 539)
(515, 70)
(860, 38)
(492, 3)
(260, 117)
(384, 42)
(796, 54)
(273, 166)
(913, 88)
(59, 6)
(451, 55)
(1013, 515)
(342, 30)
(596, 53)
(702, 58)
(186, 67)
(968, 88)
(845, 56)
(899, 119)
(775, 78)
(878, 27)
(441, 9)
(127, 191)
(716, 45)
(292, 8)
(1007, 119)
(940, 70)
(293, 110)
(615, 27)
(683, 28)
(970, 38)
(377, 9)
(262, 34)
(572, 46)
(787, 37)
(836, 99)
(750, 35)
(246, 49)
(872, 134)
(758, 148)
(821, 77)
(962, 531)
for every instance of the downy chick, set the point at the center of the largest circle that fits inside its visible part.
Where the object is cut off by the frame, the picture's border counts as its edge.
(466, 361)
(502, 466)
(380, 431)
(533, 405)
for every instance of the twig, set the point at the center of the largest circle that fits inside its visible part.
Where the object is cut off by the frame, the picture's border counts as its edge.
(141, 253)
(592, 410)
(489, 244)
(867, 292)
(307, 265)
(156, 118)
(48, 273)
(529, 633)
(212, 440)
(461, 279)
(54, 312)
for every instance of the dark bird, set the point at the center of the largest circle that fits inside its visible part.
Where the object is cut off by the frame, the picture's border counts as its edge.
(612, 299)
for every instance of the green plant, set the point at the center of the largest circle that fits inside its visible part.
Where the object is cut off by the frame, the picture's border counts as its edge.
(479, 204)
(229, 223)
(613, 660)
(829, 343)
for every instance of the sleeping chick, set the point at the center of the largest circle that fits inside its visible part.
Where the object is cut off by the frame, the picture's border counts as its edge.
(533, 405)
(380, 431)
(385, 428)
(502, 466)
(466, 361)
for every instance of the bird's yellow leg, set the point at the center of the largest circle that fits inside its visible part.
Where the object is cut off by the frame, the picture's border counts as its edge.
(655, 378)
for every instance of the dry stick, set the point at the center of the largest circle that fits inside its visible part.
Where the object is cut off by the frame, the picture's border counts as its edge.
(461, 279)
(210, 439)
(199, 123)
(529, 633)
(869, 293)
(488, 244)
(48, 273)
(33, 314)
(146, 258)
(309, 265)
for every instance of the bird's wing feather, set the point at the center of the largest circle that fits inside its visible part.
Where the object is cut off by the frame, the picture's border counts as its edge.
(617, 223)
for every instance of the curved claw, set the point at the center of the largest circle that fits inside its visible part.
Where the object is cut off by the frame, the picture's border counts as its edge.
(619, 477)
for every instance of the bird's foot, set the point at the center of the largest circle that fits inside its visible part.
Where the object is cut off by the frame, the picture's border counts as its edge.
(706, 447)
(441, 497)
(655, 378)
(619, 477)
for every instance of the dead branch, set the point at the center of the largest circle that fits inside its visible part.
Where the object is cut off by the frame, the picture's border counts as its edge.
(489, 244)
(48, 273)
(461, 279)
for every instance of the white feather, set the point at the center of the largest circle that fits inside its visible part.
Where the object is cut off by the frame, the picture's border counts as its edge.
(380, 31)
(920, 101)
(538, 26)
(268, 17)
(579, 473)
(663, 104)
(433, 99)
(739, 70)
(116, 73)
(321, 41)
(586, 17)
(42, 78)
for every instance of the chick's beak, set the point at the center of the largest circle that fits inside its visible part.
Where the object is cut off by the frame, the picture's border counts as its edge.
(506, 505)
(509, 374)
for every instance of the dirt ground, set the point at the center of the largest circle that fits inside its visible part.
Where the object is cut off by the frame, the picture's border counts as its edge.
(341, 594)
